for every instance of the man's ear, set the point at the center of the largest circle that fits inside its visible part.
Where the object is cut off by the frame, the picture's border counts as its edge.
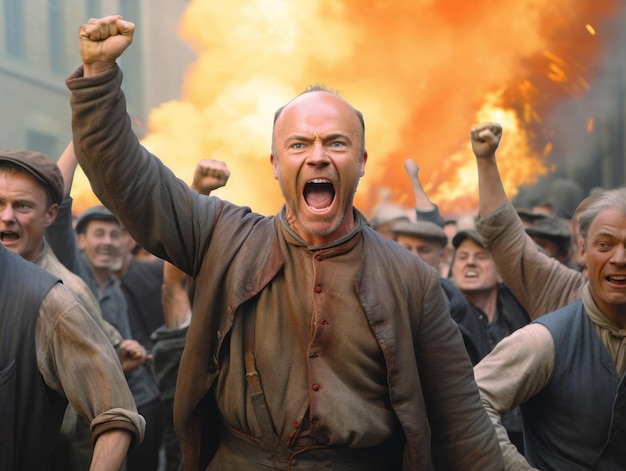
(362, 162)
(275, 169)
(582, 252)
(51, 214)
(80, 241)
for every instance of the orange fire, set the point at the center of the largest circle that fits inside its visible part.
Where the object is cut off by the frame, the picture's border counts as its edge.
(422, 72)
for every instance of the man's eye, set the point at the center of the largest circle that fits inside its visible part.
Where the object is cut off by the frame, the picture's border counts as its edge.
(297, 145)
(337, 144)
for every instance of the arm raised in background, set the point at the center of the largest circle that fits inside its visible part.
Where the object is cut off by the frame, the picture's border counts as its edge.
(62, 239)
(67, 164)
(60, 234)
(209, 175)
(485, 139)
(539, 282)
(425, 209)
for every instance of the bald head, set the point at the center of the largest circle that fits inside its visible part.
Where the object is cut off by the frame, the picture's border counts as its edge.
(309, 93)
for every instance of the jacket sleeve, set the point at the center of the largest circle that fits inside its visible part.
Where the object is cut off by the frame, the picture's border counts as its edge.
(64, 329)
(518, 368)
(463, 436)
(159, 210)
(541, 283)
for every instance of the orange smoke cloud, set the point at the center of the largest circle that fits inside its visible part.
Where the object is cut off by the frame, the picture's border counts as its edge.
(421, 71)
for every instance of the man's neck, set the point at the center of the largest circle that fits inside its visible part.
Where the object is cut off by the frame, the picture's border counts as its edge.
(486, 300)
(102, 276)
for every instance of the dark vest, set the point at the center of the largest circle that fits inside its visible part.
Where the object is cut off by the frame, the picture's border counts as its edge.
(578, 422)
(30, 412)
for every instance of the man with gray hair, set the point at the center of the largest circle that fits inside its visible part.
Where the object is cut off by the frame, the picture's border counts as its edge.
(566, 369)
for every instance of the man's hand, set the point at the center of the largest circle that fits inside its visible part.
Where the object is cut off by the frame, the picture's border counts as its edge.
(209, 175)
(485, 139)
(131, 354)
(101, 41)
(412, 169)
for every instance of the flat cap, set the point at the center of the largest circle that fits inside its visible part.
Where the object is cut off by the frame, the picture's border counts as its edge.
(529, 215)
(94, 213)
(39, 165)
(550, 228)
(387, 213)
(467, 234)
(421, 229)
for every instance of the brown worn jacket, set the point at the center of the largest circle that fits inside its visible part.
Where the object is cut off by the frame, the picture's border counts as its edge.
(233, 254)
(539, 282)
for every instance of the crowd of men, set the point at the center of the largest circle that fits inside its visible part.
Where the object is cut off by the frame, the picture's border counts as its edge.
(314, 338)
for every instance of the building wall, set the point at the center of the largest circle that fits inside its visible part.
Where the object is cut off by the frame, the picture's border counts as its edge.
(39, 49)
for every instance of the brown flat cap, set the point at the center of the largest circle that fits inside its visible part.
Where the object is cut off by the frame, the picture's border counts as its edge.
(42, 167)
(421, 229)
(467, 234)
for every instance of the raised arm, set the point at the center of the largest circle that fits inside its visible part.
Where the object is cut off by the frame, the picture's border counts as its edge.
(209, 175)
(485, 139)
(67, 164)
(539, 282)
(102, 41)
(425, 209)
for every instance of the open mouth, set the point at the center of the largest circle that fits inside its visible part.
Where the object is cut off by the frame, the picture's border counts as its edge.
(471, 274)
(8, 236)
(319, 194)
(617, 279)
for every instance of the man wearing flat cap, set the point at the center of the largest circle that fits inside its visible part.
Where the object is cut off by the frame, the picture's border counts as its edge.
(427, 240)
(475, 273)
(553, 235)
(424, 238)
(92, 251)
(31, 188)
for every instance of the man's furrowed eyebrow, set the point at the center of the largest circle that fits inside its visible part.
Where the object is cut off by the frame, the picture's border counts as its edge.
(337, 135)
(299, 137)
(328, 138)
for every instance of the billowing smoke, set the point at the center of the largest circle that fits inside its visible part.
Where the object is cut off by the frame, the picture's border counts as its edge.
(421, 71)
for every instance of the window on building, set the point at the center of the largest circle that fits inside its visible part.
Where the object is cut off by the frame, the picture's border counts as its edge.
(14, 28)
(130, 60)
(93, 9)
(42, 142)
(56, 36)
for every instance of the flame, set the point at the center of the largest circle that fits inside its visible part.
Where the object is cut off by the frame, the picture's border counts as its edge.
(423, 72)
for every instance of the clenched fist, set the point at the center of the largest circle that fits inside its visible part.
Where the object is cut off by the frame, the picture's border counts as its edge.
(485, 139)
(101, 41)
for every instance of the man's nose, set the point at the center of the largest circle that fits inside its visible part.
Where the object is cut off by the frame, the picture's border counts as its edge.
(318, 155)
(619, 256)
(107, 239)
(7, 213)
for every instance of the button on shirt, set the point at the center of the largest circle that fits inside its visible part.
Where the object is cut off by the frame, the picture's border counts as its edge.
(321, 369)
